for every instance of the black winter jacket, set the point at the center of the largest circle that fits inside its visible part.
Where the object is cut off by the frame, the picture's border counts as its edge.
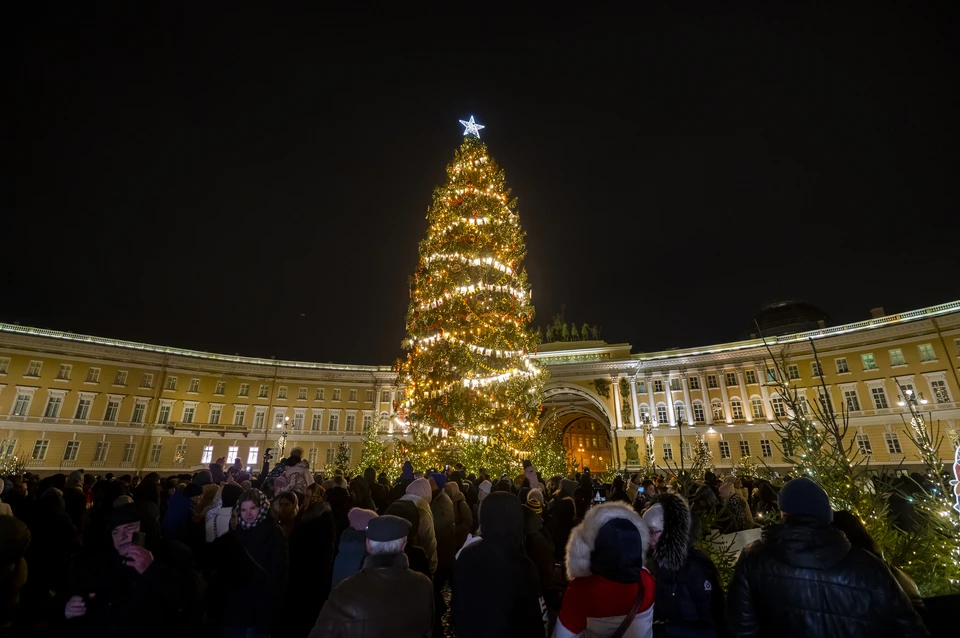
(804, 579)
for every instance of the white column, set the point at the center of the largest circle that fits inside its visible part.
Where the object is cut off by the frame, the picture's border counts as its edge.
(669, 394)
(633, 399)
(615, 382)
(705, 393)
(744, 397)
(767, 406)
(722, 382)
(651, 399)
(686, 398)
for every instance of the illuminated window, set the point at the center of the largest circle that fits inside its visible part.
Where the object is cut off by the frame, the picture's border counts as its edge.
(207, 456)
(232, 453)
(926, 352)
(662, 414)
(896, 357)
(940, 392)
(667, 452)
(724, 450)
(737, 409)
(698, 414)
(869, 363)
(756, 405)
(717, 409)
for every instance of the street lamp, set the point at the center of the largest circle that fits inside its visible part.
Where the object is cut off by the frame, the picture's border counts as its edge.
(912, 399)
(282, 439)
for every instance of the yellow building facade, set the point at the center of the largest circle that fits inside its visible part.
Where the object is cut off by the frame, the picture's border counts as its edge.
(70, 401)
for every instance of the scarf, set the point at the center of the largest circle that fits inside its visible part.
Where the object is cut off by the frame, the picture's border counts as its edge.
(534, 505)
(261, 501)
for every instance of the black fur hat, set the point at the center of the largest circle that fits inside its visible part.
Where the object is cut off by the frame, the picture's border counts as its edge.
(670, 514)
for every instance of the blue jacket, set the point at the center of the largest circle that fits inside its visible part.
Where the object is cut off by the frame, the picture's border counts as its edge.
(350, 556)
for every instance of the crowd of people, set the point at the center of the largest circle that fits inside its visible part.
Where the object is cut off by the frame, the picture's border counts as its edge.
(433, 552)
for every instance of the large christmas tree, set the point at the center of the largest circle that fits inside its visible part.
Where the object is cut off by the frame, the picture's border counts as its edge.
(469, 381)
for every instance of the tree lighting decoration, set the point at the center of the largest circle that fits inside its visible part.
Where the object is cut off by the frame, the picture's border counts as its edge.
(469, 381)
(470, 127)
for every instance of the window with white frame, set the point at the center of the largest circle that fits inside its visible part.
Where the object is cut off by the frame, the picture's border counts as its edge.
(896, 357)
(724, 449)
(70, 451)
(33, 369)
(863, 444)
(7, 448)
(93, 375)
(215, 411)
(667, 452)
(336, 394)
(717, 409)
(675, 384)
(279, 417)
(698, 414)
(320, 395)
(220, 388)
(282, 392)
(679, 411)
(312, 457)
(368, 397)
(694, 383)
(330, 455)
(259, 417)
(5, 364)
(232, 453)
(139, 410)
(367, 422)
(850, 398)
(194, 386)
(189, 411)
(146, 381)
(40, 449)
(893, 443)
(712, 381)
(803, 405)
(842, 367)
(926, 352)
(751, 376)
(170, 384)
(731, 379)
(744, 447)
(756, 406)
(793, 372)
(113, 409)
(658, 385)
(100, 451)
(253, 456)
(869, 363)
(301, 394)
(385, 396)
(298, 419)
(84, 403)
(645, 413)
(120, 378)
(163, 414)
(129, 450)
(941, 394)
(180, 455)
(244, 390)
(264, 390)
(52, 409)
(239, 412)
(63, 374)
(155, 451)
(736, 408)
(685, 450)
(317, 421)
(334, 423)
(816, 370)
(779, 409)
(826, 403)
(351, 423)
(879, 397)
(662, 414)
(766, 449)
(771, 375)
(207, 456)
(352, 396)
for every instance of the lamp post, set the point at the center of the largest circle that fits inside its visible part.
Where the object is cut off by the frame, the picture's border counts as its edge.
(282, 439)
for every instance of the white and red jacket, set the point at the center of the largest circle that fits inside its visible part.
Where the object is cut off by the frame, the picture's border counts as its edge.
(593, 607)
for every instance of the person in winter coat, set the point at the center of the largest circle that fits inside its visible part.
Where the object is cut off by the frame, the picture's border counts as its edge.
(483, 491)
(618, 492)
(254, 577)
(353, 545)
(176, 521)
(360, 491)
(420, 494)
(400, 487)
(736, 513)
(54, 543)
(803, 578)
(386, 597)
(74, 499)
(496, 590)
(408, 511)
(218, 520)
(463, 517)
(607, 577)
(689, 595)
(563, 518)
(444, 523)
(377, 491)
(539, 546)
(311, 556)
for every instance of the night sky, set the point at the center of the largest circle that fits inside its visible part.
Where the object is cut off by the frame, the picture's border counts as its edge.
(255, 181)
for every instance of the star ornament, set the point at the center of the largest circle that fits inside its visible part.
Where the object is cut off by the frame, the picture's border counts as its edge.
(471, 127)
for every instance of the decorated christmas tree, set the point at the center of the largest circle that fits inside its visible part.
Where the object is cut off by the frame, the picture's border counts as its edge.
(374, 453)
(469, 381)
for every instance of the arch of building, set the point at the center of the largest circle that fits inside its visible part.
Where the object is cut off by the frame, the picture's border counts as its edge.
(568, 403)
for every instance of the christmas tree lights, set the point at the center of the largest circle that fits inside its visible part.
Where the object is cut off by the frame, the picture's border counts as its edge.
(469, 381)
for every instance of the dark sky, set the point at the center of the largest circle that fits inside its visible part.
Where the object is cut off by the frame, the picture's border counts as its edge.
(255, 181)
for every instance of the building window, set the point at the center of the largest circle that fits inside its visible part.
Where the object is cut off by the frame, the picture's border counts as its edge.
(731, 379)
(155, 451)
(658, 385)
(352, 396)
(778, 407)
(712, 381)
(171, 384)
(215, 415)
(685, 450)
(194, 386)
(893, 443)
(253, 455)
(139, 408)
(70, 452)
(316, 422)
(679, 411)
(645, 413)
(842, 365)
(863, 444)
(83, 408)
(33, 369)
(259, 416)
(368, 397)
(282, 392)
(163, 415)
(232, 453)
(320, 395)
(351, 423)
(662, 414)
(63, 374)
(869, 363)
(100, 451)
(278, 418)
(724, 450)
(301, 394)
(188, 413)
(221, 387)
(385, 396)
(40, 449)
(771, 375)
(244, 390)
(766, 450)
(793, 372)
(940, 392)
(803, 405)
(926, 352)
(694, 383)
(367, 422)
(298, 418)
(264, 389)
(5, 362)
(330, 454)
(180, 455)
(336, 394)
(333, 424)
(54, 403)
(667, 452)
(121, 378)
(826, 404)
(312, 457)
(238, 414)
(207, 456)
(737, 408)
(751, 376)
(896, 357)
(129, 449)
(853, 403)
(113, 408)
(146, 381)
(698, 414)
(744, 448)
(675, 384)
(93, 375)
(816, 369)
(717, 408)
(756, 406)
(879, 398)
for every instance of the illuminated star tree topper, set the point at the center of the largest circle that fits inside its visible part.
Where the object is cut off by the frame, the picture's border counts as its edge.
(470, 127)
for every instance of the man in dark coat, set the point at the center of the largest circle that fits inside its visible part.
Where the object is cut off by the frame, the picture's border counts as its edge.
(386, 597)
(803, 578)
(496, 588)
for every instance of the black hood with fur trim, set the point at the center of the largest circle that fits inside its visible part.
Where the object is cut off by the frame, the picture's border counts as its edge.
(675, 539)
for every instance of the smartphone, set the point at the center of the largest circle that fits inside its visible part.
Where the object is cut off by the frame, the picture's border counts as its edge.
(139, 539)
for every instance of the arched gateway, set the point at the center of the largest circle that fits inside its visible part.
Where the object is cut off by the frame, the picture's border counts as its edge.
(585, 421)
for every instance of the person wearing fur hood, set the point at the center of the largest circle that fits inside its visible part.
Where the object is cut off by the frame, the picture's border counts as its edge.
(608, 580)
(689, 597)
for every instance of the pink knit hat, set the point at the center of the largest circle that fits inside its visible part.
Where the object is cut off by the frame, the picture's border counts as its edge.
(421, 488)
(359, 518)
